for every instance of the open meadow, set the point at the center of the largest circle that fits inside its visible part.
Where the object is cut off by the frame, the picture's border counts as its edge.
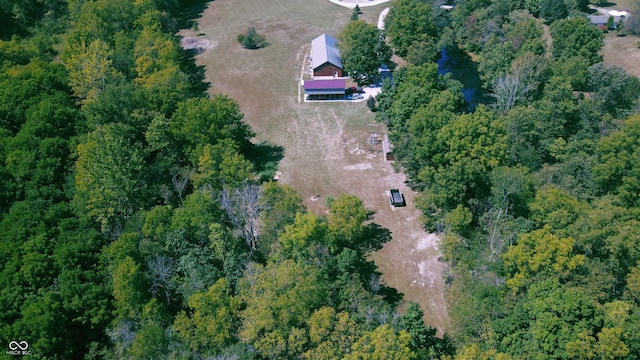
(325, 144)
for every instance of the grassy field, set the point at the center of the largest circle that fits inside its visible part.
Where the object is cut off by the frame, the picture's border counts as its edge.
(325, 144)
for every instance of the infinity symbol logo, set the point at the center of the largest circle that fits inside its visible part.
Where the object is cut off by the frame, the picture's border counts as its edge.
(22, 345)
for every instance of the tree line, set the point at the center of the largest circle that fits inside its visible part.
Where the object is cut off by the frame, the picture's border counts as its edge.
(535, 191)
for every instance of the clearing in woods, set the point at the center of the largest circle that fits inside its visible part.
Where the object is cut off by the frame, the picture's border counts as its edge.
(622, 51)
(326, 148)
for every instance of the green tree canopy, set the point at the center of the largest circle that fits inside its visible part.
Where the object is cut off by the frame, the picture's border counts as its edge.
(90, 68)
(210, 325)
(576, 37)
(618, 170)
(363, 51)
(200, 122)
(409, 23)
(540, 252)
(475, 143)
(109, 180)
(279, 298)
(382, 344)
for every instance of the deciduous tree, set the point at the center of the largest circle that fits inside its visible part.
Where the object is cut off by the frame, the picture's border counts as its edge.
(382, 344)
(363, 51)
(618, 170)
(109, 184)
(198, 122)
(210, 324)
(90, 68)
(280, 298)
(540, 252)
(576, 37)
(409, 22)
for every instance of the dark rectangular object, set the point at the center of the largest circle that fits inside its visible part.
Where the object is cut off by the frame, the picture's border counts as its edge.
(396, 198)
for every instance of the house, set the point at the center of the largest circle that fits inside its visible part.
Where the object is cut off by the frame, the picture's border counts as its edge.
(325, 57)
(601, 20)
(319, 89)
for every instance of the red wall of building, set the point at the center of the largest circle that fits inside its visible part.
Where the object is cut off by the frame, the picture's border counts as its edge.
(327, 69)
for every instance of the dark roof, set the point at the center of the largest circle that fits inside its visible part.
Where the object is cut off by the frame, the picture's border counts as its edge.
(324, 49)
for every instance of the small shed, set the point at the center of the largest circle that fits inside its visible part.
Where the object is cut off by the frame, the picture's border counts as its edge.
(318, 89)
(325, 56)
(387, 149)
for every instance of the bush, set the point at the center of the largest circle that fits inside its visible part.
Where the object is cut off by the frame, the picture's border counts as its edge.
(251, 40)
(371, 103)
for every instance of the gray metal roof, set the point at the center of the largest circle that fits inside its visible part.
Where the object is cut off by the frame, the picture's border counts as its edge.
(602, 19)
(324, 49)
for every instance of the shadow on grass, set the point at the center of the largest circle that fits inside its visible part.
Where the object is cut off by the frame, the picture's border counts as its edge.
(373, 238)
(261, 46)
(196, 73)
(185, 15)
(189, 11)
(265, 158)
(391, 295)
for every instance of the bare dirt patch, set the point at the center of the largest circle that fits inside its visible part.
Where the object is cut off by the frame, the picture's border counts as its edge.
(361, 166)
(195, 43)
(326, 149)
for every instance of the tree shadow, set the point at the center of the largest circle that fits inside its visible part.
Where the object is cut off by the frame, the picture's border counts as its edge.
(373, 237)
(368, 268)
(185, 15)
(265, 158)
(189, 11)
(391, 295)
(196, 73)
(261, 46)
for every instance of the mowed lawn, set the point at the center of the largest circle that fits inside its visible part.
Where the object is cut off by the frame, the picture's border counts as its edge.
(325, 144)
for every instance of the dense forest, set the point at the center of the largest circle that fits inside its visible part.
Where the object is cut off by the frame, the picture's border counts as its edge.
(137, 219)
(536, 191)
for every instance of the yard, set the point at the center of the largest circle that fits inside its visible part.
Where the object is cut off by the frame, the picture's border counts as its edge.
(622, 51)
(326, 149)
